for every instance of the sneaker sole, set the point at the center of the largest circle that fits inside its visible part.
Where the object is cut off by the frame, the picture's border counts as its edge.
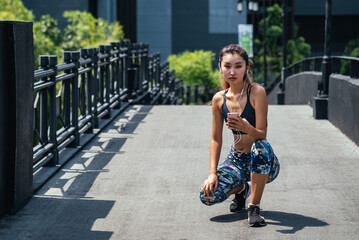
(257, 224)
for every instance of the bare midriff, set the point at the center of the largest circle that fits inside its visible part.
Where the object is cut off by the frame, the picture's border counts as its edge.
(245, 144)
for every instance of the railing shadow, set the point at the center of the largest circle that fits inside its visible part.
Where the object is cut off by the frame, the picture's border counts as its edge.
(79, 174)
(60, 219)
(294, 221)
(63, 203)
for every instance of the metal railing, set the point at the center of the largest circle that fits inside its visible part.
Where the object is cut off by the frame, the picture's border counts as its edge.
(315, 64)
(71, 98)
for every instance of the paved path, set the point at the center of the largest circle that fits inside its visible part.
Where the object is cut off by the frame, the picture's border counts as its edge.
(140, 179)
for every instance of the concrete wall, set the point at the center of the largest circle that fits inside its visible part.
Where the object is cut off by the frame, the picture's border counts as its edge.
(272, 96)
(343, 105)
(302, 87)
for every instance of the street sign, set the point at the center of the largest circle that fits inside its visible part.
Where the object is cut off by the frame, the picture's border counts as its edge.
(245, 37)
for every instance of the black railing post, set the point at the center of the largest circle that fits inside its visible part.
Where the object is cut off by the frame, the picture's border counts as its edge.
(43, 64)
(146, 73)
(354, 69)
(16, 115)
(75, 57)
(107, 79)
(89, 54)
(115, 46)
(196, 94)
(53, 119)
(181, 94)
(112, 67)
(95, 86)
(188, 93)
(102, 72)
(66, 56)
(126, 64)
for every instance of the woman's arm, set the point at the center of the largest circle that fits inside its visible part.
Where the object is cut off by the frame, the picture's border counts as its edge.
(210, 185)
(217, 128)
(260, 105)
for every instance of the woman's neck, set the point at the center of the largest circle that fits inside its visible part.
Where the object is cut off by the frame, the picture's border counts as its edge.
(237, 89)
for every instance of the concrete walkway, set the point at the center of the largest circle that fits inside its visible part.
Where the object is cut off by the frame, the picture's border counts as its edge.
(140, 179)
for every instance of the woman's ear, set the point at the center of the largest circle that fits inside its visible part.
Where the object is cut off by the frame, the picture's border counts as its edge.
(219, 67)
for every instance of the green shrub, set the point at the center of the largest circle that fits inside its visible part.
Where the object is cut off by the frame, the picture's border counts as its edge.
(84, 30)
(195, 68)
(297, 50)
(351, 50)
(47, 38)
(14, 10)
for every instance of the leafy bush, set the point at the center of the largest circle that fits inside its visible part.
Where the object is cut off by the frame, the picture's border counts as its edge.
(84, 30)
(47, 38)
(14, 10)
(352, 50)
(297, 48)
(195, 68)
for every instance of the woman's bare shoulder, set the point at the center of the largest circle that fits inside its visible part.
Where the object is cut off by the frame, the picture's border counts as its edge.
(217, 98)
(258, 89)
(258, 95)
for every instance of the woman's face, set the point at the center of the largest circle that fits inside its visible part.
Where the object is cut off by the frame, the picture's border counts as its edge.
(233, 67)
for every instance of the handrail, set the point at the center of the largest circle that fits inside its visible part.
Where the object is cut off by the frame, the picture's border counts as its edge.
(73, 97)
(315, 64)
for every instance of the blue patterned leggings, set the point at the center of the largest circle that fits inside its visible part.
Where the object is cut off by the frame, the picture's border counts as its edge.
(236, 170)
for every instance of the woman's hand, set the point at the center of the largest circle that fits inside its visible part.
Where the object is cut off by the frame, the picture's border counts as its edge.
(238, 123)
(210, 185)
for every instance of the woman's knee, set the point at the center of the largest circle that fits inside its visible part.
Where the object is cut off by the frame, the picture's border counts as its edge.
(218, 197)
(262, 156)
(261, 147)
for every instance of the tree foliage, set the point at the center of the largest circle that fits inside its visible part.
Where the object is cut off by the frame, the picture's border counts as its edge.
(297, 48)
(195, 68)
(83, 30)
(47, 37)
(14, 10)
(351, 50)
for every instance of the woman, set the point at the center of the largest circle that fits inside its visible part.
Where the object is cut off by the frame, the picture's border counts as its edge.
(251, 162)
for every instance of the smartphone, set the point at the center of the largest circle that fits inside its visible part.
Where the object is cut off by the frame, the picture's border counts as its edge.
(232, 114)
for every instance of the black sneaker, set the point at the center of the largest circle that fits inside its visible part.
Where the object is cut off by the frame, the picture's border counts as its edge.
(254, 217)
(239, 201)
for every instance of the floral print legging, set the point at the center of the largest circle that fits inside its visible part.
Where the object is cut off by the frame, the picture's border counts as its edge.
(236, 170)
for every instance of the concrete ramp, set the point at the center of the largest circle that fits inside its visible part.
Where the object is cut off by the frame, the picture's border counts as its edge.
(140, 179)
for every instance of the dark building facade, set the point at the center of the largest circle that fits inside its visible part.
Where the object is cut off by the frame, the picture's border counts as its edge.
(173, 26)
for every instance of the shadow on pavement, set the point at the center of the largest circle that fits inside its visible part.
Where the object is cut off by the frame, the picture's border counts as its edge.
(61, 209)
(51, 218)
(230, 217)
(291, 220)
